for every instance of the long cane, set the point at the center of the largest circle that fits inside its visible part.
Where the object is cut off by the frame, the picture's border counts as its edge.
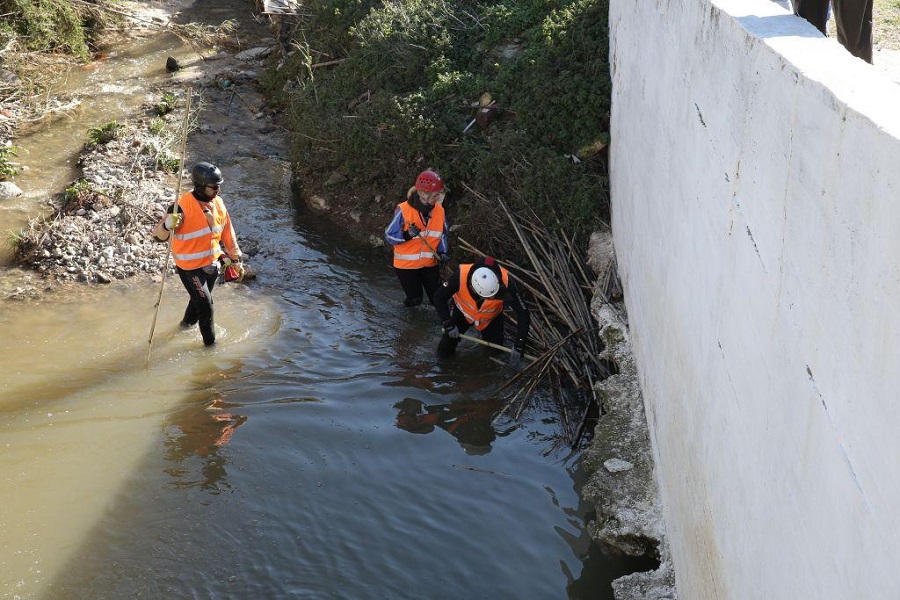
(492, 345)
(187, 115)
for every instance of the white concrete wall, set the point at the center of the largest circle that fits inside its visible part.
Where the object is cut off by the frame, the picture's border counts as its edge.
(755, 175)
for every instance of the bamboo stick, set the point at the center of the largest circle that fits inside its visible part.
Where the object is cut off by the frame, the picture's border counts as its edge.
(492, 345)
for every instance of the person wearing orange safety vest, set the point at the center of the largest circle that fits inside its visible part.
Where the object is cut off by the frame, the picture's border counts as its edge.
(200, 224)
(418, 233)
(475, 295)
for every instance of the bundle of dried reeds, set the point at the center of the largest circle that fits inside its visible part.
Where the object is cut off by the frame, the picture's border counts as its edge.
(559, 285)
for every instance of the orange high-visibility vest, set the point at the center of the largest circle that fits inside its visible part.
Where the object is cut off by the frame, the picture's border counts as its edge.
(480, 317)
(195, 243)
(415, 253)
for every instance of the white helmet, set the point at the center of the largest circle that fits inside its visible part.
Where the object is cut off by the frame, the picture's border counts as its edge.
(485, 282)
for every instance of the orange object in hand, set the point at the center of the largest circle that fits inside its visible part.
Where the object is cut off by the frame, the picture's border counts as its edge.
(230, 273)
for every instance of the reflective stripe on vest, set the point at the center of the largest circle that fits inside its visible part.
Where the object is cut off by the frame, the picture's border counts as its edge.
(194, 234)
(196, 245)
(490, 308)
(415, 253)
(420, 256)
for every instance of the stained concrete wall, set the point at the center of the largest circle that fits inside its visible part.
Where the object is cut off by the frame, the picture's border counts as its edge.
(755, 176)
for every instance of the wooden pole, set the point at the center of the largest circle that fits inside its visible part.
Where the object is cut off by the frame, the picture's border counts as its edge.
(184, 133)
(492, 345)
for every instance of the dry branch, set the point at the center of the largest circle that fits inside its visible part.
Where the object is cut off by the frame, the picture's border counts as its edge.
(558, 289)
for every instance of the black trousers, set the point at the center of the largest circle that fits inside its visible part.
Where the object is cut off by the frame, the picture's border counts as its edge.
(415, 281)
(199, 284)
(853, 19)
(492, 333)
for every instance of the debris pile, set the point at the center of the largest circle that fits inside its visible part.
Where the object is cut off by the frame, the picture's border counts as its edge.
(559, 285)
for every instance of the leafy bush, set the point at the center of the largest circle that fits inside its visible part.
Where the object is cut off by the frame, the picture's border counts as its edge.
(568, 109)
(158, 127)
(409, 86)
(167, 162)
(77, 191)
(103, 134)
(45, 25)
(8, 169)
(166, 104)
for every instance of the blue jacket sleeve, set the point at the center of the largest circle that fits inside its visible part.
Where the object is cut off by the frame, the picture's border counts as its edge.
(443, 246)
(393, 235)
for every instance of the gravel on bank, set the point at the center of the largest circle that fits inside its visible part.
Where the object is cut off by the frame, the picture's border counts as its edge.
(99, 229)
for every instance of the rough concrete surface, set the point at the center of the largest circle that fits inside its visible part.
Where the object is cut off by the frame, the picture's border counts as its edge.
(629, 512)
(888, 63)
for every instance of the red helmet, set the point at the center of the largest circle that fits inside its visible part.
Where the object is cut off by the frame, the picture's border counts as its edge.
(429, 181)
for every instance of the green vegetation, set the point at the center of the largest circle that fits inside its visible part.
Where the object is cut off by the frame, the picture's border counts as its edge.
(167, 162)
(408, 88)
(51, 25)
(103, 134)
(39, 39)
(77, 191)
(14, 239)
(8, 169)
(166, 104)
(158, 127)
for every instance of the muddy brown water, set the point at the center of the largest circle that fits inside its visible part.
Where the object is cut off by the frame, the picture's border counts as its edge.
(318, 451)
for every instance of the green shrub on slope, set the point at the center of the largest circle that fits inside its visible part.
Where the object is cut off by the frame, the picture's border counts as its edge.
(404, 95)
(43, 25)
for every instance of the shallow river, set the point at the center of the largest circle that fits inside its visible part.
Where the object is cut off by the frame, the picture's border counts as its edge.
(318, 451)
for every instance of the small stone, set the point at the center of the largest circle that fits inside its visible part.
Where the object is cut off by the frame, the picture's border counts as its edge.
(617, 465)
(254, 53)
(317, 202)
(9, 190)
(335, 178)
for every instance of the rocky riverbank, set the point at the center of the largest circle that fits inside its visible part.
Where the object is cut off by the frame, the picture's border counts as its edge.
(98, 230)
(622, 481)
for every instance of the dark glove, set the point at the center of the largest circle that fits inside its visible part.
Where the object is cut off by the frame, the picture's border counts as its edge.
(414, 231)
(516, 354)
(443, 259)
(515, 358)
(451, 330)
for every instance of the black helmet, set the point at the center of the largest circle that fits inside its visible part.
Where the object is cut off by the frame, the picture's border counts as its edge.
(205, 173)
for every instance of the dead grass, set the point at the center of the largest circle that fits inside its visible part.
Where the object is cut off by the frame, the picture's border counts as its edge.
(886, 24)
